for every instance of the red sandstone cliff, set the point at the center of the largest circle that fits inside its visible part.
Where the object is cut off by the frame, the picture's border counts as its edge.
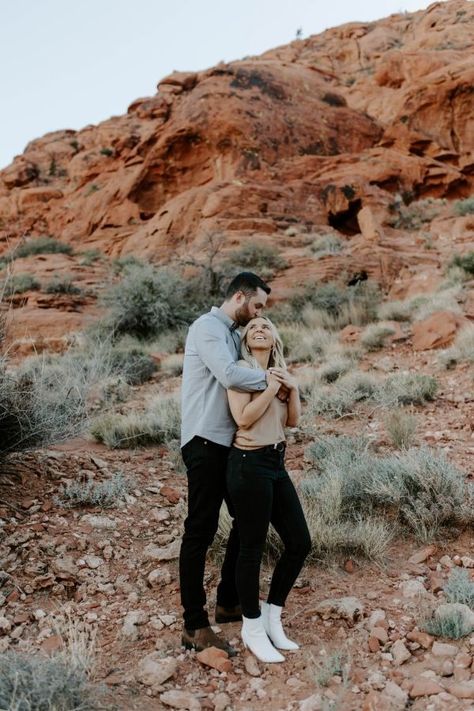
(323, 131)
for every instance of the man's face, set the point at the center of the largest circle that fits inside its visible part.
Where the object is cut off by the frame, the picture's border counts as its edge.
(250, 307)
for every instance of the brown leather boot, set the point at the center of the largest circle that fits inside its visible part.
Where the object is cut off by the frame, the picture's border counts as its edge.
(204, 638)
(228, 614)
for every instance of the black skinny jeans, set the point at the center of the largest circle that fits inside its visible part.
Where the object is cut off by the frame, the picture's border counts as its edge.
(262, 493)
(206, 468)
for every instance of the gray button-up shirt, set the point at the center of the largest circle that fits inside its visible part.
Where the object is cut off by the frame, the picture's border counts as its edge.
(209, 369)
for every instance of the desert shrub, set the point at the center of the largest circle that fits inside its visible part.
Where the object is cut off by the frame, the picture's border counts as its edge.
(61, 285)
(32, 682)
(172, 365)
(401, 427)
(413, 216)
(133, 363)
(304, 345)
(121, 264)
(41, 245)
(159, 424)
(89, 256)
(460, 587)
(104, 494)
(171, 341)
(406, 389)
(418, 490)
(326, 244)
(174, 456)
(19, 283)
(336, 664)
(464, 207)
(374, 336)
(451, 625)
(342, 397)
(462, 349)
(334, 306)
(465, 261)
(395, 311)
(47, 398)
(263, 259)
(443, 300)
(149, 301)
(336, 367)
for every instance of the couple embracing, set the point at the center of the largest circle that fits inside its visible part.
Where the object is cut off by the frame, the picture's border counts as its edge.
(237, 398)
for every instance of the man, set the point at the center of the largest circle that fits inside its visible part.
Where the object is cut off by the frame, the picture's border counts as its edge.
(209, 368)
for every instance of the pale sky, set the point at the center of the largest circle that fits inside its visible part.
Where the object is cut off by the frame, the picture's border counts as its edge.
(67, 64)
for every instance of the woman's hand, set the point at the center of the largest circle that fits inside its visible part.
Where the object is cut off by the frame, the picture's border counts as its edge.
(287, 380)
(273, 382)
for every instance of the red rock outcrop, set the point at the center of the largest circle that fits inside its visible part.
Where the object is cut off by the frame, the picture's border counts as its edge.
(330, 132)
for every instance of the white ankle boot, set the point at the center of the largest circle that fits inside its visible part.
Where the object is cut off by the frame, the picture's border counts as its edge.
(271, 615)
(255, 638)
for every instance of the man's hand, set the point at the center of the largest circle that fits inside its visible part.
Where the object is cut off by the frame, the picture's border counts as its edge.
(283, 393)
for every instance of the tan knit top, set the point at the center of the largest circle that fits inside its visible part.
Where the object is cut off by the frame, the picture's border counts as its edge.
(268, 429)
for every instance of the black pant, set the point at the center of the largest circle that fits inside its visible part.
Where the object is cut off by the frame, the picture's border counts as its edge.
(262, 493)
(206, 466)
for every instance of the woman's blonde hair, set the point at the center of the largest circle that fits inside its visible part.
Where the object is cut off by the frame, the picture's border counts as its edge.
(276, 355)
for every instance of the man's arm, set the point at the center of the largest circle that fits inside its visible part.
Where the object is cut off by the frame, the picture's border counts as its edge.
(216, 355)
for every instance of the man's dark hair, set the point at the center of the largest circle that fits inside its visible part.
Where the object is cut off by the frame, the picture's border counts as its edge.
(246, 282)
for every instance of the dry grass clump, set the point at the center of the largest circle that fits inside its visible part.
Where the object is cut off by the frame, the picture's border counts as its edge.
(418, 490)
(104, 493)
(132, 362)
(340, 398)
(406, 389)
(19, 283)
(58, 683)
(401, 427)
(462, 350)
(449, 622)
(159, 424)
(421, 306)
(414, 215)
(333, 306)
(304, 345)
(395, 311)
(62, 285)
(48, 398)
(375, 335)
(460, 587)
(322, 245)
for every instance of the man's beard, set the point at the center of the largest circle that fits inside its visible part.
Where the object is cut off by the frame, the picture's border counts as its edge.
(242, 315)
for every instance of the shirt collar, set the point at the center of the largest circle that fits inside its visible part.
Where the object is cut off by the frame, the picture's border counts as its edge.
(222, 316)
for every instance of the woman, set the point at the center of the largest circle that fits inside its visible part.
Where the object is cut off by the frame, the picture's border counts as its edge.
(263, 493)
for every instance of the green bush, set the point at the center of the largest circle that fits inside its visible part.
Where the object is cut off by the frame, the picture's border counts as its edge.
(413, 216)
(464, 207)
(62, 285)
(89, 256)
(340, 305)
(452, 625)
(326, 244)
(465, 261)
(148, 302)
(19, 283)
(159, 424)
(133, 363)
(460, 587)
(263, 259)
(41, 245)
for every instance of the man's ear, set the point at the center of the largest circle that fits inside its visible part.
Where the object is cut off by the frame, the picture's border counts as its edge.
(239, 297)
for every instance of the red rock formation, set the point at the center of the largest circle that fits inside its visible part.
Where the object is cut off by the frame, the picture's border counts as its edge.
(330, 131)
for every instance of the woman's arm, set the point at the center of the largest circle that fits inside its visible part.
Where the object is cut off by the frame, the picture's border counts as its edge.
(246, 411)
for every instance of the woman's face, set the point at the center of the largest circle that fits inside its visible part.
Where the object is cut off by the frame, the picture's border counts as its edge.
(259, 335)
